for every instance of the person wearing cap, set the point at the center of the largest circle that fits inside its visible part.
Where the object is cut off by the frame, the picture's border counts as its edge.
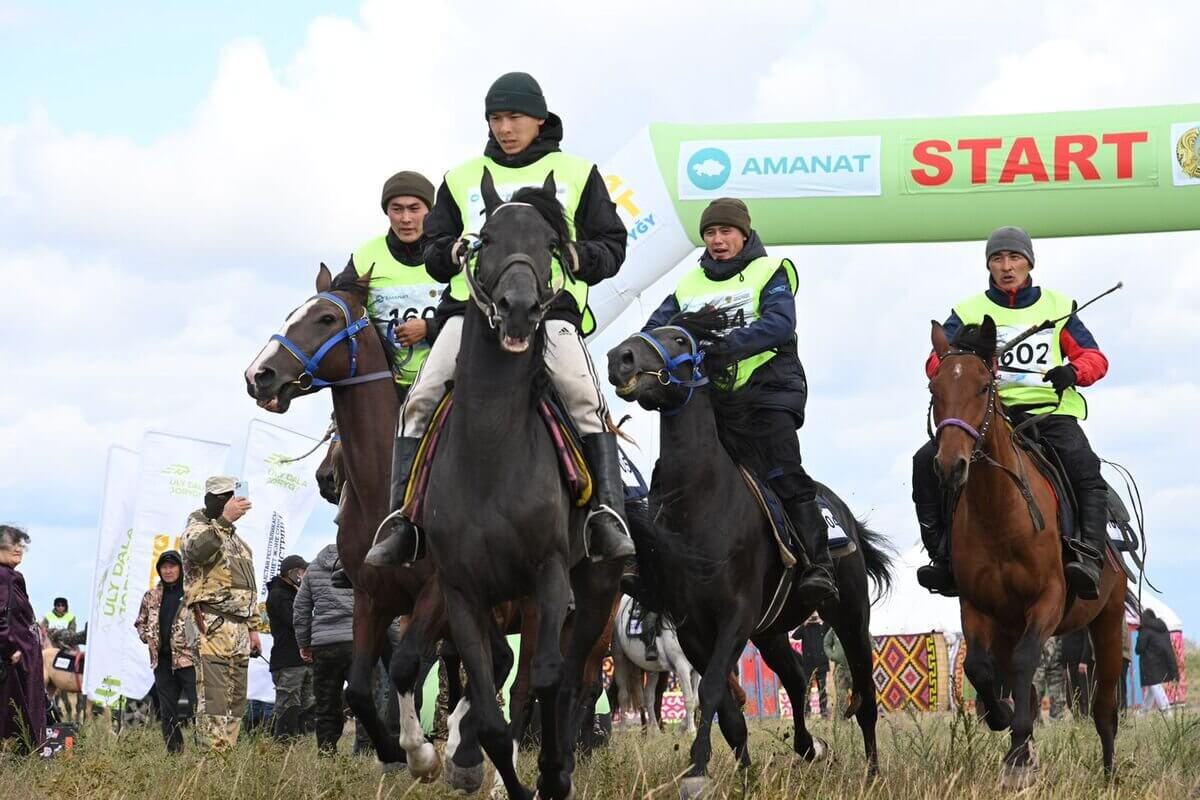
(59, 625)
(403, 298)
(758, 292)
(160, 624)
(221, 616)
(292, 677)
(1050, 366)
(523, 148)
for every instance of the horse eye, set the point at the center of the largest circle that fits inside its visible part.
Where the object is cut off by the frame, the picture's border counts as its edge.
(328, 319)
(985, 388)
(680, 340)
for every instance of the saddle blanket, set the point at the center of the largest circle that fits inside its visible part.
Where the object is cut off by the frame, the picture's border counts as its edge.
(791, 549)
(68, 661)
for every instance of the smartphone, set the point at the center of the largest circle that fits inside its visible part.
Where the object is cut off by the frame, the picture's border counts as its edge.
(240, 489)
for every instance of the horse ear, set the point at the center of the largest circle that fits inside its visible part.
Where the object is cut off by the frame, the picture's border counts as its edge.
(941, 343)
(987, 336)
(549, 186)
(364, 280)
(324, 279)
(487, 188)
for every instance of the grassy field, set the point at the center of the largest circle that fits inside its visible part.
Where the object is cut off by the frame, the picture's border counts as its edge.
(928, 756)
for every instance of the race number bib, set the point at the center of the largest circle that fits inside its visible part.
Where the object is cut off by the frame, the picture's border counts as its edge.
(393, 305)
(739, 305)
(1035, 353)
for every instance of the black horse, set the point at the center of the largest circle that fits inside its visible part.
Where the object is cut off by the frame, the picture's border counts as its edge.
(710, 554)
(499, 520)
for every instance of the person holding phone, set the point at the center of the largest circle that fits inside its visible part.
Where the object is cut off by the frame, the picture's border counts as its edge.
(221, 618)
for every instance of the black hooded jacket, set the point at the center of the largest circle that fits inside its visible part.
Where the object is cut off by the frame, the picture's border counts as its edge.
(600, 236)
(281, 596)
(1156, 653)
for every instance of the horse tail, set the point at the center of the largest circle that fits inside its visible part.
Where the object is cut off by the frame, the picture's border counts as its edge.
(877, 557)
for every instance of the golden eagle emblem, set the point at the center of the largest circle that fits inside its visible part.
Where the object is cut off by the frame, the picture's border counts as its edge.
(1187, 152)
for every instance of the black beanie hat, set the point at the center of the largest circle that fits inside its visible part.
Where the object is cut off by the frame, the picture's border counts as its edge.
(407, 184)
(292, 562)
(62, 601)
(1010, 238)
(726, 211)
(168, 556)
(516, 91)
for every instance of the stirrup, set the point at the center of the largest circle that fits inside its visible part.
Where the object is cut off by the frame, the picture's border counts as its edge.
(390, 550)
(620, 540)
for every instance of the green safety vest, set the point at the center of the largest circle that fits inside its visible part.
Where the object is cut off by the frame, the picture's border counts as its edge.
(55, 622)
(740, 295)
(1040, 352)
(570, 176)
(399, 293)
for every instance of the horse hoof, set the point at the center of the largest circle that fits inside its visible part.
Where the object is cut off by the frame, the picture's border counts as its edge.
(693, 788)
(424, 763)
(1016, 778)
(819, 751)
(537, 795)
(463, 779)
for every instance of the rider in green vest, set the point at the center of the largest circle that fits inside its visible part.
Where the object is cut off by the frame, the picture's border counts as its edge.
(1047, 368)
(403, 298)
(522, 149)
(59, 625)
(759, 292)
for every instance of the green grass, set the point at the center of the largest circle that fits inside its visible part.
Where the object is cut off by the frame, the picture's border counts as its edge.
(928, 756)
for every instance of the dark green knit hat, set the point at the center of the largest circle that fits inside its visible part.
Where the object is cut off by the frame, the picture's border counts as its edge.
(407, 184)
(516, 91)
(726, 211)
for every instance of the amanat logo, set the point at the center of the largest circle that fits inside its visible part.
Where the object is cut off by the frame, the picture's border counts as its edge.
(1054, 160)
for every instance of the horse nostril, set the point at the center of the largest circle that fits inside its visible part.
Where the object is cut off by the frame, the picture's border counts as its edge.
(264, 377)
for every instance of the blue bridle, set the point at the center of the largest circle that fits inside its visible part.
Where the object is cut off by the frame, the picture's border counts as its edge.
(308, 379)
(666, 375)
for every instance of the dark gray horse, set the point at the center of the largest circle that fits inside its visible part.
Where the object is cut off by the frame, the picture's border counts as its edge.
(711, 556)
(499, 521)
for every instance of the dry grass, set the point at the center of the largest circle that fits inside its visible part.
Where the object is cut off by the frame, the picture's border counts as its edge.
(929, 756)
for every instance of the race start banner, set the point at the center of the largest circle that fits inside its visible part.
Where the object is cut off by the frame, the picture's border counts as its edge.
(282, 494)
(111, 580)
(1070, 173)
(170, 485)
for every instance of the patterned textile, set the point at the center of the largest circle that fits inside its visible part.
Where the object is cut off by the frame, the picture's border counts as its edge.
(906, 672)
(1177, 692)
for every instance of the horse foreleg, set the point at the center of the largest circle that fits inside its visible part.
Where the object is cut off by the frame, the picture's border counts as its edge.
(552, 595)
(370, 632)
(980, 666)
(649, 692)
(425, 626)
(726, 647)
(1108, 635)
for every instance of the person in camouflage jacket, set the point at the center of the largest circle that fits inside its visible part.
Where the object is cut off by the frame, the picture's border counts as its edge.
(160, 624)
(221, 619)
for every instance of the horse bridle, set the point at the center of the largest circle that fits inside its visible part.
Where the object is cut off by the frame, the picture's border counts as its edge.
(666, 375)
(307, 379)
(482, 297)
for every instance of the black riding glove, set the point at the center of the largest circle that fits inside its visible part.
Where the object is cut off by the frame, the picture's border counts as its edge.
(1062, 378)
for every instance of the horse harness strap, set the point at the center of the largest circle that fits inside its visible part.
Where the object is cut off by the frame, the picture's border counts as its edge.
(666, 375)
(307, 379)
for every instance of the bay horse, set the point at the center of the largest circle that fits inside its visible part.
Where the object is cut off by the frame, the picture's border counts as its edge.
(711, 553)
(499, 521)
(366, 411)
(1009, 568)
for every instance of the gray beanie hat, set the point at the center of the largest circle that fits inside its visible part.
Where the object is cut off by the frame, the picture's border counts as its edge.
(1010, 238)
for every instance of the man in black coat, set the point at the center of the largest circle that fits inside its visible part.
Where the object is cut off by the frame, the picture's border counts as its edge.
(291, 676)
(812, 640)
(1158, 664)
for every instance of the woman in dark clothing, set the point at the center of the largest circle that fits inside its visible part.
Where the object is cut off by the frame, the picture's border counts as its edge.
(160, 624)
(22, 684)
(1158, 664)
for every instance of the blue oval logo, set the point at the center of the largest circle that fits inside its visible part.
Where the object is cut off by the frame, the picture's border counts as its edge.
(709, 168)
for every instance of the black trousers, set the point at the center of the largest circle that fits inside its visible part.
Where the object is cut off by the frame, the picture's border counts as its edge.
(1063, 433)
(171, 686)
(331, 668)
(776, 455)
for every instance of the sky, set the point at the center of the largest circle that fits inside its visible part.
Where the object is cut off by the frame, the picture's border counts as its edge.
(172, 174)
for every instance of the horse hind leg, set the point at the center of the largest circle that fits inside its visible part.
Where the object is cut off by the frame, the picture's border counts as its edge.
(854, 634)
(780, 657)
(370, 631)
(1108, 633)
(405, 669)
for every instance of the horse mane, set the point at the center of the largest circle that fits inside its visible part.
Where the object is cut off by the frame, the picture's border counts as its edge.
(547, 205)
(969, 339)
(351, 285)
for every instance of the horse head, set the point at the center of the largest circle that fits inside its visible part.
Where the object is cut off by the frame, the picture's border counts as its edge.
(963, 397)
(660, 369)
(511, 279)
(307, 353)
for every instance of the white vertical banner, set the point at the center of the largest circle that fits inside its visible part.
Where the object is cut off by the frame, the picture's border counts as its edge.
(111, 577)
(171, 479)
(657, 240)
(282, 494)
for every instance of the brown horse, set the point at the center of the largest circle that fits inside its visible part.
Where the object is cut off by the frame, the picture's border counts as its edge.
(63, 684)
(1007, 554)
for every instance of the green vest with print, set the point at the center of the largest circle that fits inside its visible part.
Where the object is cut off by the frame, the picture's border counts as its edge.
(741, 296)
(399, 293)
(1039, 353)
(55, 622)
(570, 176)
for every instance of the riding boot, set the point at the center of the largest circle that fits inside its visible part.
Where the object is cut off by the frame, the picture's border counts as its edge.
(936, 576)
(608, 534)
(649, 635)
(1083, 574)
(816, 584)
(397, 542)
